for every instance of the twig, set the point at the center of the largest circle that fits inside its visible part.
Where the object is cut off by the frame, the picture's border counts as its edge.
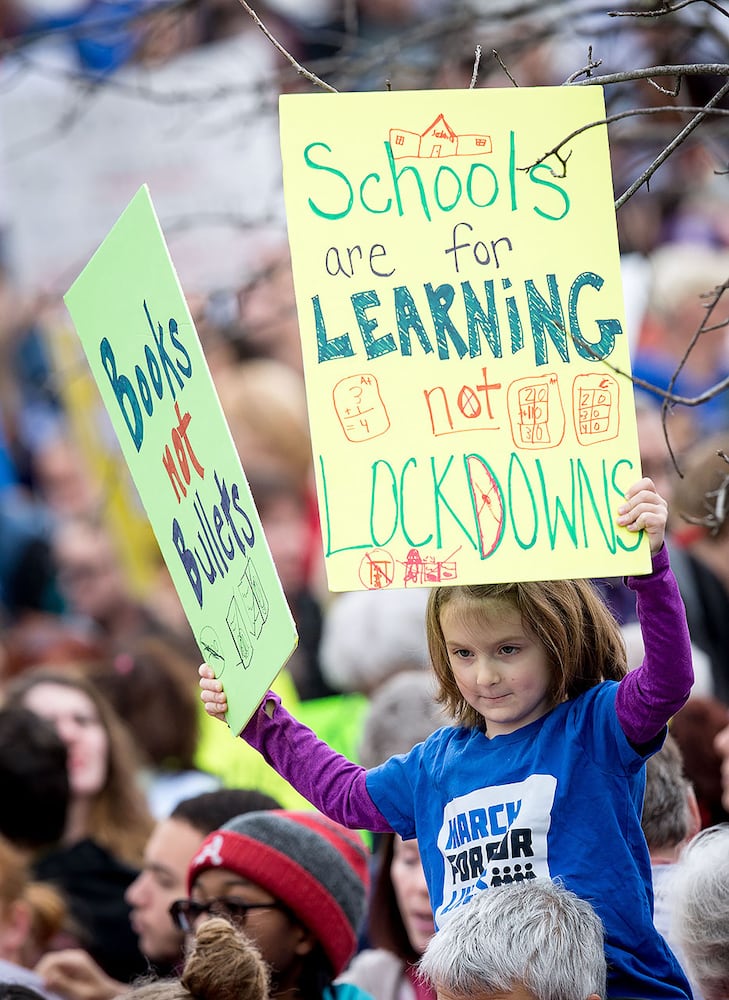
(716, 296)
(666, 9)
(501, 63)
(287, 55)
(476, 64)
(672, 397)
(587, 70)
(664, 90)
(611, 119)
(665, 153)
(627, 76)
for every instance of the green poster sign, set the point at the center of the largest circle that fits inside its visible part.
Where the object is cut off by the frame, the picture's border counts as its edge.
(144, 352)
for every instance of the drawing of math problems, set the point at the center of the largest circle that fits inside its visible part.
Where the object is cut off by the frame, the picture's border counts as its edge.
(596, 411)
(359, 407)
(536, 412)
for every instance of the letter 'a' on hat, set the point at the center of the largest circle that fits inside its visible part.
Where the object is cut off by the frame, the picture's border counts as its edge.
(316, 867)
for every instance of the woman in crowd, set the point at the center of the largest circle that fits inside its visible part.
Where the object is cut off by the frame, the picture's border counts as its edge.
(399, 926)
(108, 821)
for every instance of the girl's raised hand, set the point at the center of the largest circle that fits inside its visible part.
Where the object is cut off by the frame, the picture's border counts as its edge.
(644, 509)
(212, 694)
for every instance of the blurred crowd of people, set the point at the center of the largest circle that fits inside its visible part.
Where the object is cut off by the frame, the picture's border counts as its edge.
(122, 801)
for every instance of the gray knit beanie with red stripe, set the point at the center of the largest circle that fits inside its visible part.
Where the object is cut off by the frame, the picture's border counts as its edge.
(315, 867)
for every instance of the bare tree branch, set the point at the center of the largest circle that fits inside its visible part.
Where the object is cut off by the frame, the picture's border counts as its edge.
(665, 153)
(286, 54)
(704, 327)
(667, 8)
(684, 69)
(586, 70)
(476, 64)
(620, 116)
(501, 63)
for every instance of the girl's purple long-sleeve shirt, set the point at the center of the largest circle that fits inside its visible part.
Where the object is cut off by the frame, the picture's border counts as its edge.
(645, 701)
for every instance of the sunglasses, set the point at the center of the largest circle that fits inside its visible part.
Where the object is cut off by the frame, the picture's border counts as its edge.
(185, 912)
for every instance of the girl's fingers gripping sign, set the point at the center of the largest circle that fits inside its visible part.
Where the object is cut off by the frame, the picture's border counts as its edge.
(645, 510)
(211, 692)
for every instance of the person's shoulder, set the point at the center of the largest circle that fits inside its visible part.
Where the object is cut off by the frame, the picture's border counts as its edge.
(445, 739)
(12, 973)
(450, 734)
(584, 706)
(372, 962)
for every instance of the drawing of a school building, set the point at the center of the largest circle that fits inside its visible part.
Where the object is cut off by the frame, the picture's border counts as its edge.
(437, 141)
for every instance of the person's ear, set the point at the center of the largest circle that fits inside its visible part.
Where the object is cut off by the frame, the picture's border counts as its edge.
(305, 941)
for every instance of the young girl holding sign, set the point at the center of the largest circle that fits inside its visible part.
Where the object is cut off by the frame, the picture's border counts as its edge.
(543, 773)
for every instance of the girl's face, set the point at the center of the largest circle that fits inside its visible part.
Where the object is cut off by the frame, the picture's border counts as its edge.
(78, 723)
(411, 892)
(501, 670)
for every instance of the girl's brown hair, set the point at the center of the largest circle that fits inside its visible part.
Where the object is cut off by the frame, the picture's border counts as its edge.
(120, 818)
(582, 639)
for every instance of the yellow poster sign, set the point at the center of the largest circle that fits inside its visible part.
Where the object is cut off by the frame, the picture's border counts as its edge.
(462, 325)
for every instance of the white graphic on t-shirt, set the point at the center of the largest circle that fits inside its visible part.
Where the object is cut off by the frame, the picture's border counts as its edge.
(495, 836)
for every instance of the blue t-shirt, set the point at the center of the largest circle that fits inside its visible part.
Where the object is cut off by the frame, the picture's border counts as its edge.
(559, 798)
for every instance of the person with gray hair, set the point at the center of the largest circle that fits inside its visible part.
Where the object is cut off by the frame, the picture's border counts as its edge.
(369, 635)
(670, 818)
(533, 939)
(402, 711)
(701, 909)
